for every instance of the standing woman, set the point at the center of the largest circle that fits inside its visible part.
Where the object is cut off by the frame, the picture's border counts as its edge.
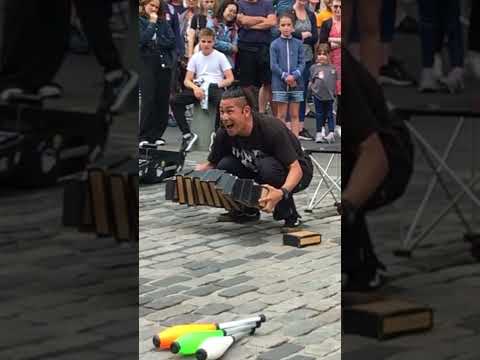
(156, 43)
(226, 30)
(305, 30)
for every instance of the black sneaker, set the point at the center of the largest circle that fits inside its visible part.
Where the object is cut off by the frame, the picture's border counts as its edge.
(394, 74)
(188, 141)
(305, 135)
(117, 88)
(362, 281)
(239, 217)
(291, 224)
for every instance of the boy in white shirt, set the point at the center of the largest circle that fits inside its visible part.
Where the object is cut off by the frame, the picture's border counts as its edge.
(208, 71)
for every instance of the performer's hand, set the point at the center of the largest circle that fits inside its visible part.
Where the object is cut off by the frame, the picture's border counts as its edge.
(203, 167)
(271, 199)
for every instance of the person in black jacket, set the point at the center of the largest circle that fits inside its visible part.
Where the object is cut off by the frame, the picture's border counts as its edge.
(157, 40)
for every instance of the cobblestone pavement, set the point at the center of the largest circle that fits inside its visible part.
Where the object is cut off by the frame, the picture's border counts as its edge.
(66, 294)
(195, 269)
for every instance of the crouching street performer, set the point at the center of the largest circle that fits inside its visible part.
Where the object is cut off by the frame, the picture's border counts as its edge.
(259, 147)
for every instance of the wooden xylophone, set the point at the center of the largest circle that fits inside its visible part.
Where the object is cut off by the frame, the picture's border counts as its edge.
(214, 188)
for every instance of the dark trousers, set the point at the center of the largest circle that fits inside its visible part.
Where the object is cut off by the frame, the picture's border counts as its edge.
(94, 16)
(474, 31)
(324, 114)
(187, 97)
(38, 34)
(271, 172)
(37, 37)
(437, 19)
(155, 92)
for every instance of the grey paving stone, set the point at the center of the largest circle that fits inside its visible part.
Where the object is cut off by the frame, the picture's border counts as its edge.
(203, 290)
(214, 309)
(231, 263)
(301, 357)
(291, 254)
(166, 302)
(234, 281)
(250, 308)
(280, 352)
(261, 255)
(170, 281)
(238, 290)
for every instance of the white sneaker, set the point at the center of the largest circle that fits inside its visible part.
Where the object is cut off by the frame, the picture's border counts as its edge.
(319, 137)
(428, 81)
(474, 62)
(330, 138)
(454, 81)
(338, 131)
(160, 142)
(438, 66)
(142, 143)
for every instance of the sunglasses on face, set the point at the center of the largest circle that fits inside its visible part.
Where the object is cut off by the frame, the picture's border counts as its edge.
(337, 6)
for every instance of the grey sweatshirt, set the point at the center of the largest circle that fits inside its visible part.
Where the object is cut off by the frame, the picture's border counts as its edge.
(323, 80)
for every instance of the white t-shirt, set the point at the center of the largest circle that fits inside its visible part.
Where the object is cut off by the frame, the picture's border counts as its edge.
(209, 68)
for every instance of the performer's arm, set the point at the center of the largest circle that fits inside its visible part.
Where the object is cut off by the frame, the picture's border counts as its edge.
(204, 167)
(274, 195)
(369, 172)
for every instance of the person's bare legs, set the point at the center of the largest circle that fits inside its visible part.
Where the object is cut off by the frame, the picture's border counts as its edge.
(282, 111)
(264, 97)
(295, 118)
(369, 26)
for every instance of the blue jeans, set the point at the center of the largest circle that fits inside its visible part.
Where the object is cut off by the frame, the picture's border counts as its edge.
(324, 114)
(437, 19)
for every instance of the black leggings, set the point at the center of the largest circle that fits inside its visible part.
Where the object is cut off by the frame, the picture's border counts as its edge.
(154, 101)
(271, 172)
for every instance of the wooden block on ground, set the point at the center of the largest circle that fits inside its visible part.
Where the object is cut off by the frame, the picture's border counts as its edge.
(386, 318)
(302, 238)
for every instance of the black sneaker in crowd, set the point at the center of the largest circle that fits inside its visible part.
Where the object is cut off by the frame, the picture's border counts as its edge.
(188, 141)
(305, 135)
(240, 217)
(117, 87)
(395, 74)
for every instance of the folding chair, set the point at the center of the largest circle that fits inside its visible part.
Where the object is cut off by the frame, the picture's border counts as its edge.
(438, 163)
(332, 185)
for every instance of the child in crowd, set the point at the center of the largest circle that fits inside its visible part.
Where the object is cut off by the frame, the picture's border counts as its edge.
(208, 71)
(287, 63)
(323, 78)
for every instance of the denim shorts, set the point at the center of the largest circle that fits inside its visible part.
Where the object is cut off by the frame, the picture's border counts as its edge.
(287, 96)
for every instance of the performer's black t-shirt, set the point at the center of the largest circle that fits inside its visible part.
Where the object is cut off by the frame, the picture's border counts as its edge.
(269, 137)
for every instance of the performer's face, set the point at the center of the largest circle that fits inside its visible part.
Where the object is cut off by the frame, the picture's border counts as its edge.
(235, 116)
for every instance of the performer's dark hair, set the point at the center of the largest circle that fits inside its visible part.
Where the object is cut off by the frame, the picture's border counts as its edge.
(237, 91)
